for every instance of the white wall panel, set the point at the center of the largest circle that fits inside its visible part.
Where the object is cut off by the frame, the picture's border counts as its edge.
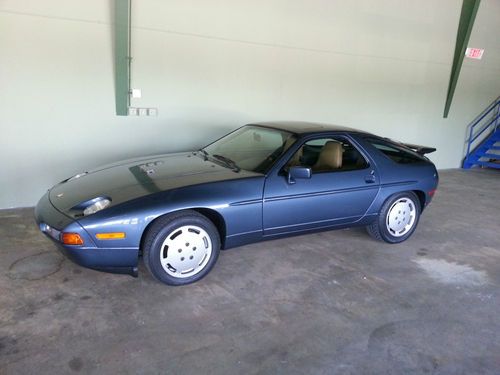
(210, 66)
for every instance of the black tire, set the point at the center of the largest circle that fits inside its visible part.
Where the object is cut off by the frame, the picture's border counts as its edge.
(168, 229)
(379, 228)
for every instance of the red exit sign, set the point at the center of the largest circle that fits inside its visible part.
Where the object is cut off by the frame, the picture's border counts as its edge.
(474, 53)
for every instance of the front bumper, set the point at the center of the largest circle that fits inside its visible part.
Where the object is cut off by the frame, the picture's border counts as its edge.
(52, 222)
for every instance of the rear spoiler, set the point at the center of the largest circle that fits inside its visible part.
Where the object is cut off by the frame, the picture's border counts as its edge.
(421, 150)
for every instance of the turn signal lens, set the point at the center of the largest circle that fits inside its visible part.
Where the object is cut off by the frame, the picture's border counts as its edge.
(71, 239)
(110, 236)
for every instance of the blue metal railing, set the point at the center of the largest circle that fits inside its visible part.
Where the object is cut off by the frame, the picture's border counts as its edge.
(492, 124)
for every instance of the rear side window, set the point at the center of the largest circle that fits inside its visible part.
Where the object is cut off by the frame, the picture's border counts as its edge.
(396, 153)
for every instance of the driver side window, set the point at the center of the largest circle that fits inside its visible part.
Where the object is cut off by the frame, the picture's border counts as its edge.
(331, 154)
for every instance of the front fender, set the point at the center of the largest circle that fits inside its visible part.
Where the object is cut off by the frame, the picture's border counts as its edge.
(238, 202)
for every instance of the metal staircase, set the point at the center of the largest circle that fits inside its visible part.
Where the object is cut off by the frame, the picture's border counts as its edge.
(483, 145)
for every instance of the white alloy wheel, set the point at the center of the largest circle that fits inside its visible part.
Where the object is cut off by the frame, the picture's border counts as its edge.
(185, 251)
(401, 217)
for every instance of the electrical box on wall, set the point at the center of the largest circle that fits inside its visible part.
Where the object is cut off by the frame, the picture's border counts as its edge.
(136, 93)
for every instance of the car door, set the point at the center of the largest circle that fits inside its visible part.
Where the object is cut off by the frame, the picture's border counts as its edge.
(338, 191)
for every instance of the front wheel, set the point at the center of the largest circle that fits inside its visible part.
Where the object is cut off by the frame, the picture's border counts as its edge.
(397, 219)
(181, 248)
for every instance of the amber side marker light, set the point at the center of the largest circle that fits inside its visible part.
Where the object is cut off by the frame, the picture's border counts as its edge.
(110, 236)
(71, 239)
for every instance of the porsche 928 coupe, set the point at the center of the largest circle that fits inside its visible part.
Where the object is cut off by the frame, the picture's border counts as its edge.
(259, 182)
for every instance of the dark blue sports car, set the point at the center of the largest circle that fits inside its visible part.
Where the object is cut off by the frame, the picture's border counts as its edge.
(261, 181)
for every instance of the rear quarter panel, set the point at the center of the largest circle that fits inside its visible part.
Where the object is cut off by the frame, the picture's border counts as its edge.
(396, 178)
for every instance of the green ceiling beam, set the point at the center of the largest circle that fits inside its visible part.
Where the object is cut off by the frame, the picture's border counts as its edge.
(122, 56)
(467, 17)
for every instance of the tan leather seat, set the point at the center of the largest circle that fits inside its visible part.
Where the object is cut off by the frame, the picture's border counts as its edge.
(330, 157)
(295, 160)
(288, 143)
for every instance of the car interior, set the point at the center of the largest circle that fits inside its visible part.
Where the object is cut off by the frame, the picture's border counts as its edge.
(328, 155)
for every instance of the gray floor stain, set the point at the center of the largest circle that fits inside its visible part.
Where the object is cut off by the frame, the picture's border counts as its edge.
(412, 344)
(36, 267)
(452, 273)
(8, 345)
(75, 364)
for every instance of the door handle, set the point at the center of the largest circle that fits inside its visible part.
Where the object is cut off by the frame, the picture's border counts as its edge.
(370, 179)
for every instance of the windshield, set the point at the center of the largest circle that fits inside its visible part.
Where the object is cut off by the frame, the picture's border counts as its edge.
(252, 148)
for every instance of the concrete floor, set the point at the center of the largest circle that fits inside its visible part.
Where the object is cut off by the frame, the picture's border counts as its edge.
(330, 303)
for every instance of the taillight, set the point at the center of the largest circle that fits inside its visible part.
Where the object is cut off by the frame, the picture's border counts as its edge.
(71, 239)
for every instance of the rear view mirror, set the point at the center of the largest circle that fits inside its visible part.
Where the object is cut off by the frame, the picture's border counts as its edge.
(298, 173)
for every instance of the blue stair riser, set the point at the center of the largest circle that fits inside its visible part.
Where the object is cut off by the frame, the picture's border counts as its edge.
(488, 164)
(484, 151)
(491, 156)
(476, 157)
(486, 147)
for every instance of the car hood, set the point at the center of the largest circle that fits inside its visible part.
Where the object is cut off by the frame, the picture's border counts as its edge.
(135, 178)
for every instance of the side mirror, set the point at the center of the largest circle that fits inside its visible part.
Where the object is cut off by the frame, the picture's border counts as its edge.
(298, 172)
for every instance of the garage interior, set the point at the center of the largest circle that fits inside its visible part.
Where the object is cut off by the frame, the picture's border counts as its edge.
(334, 302)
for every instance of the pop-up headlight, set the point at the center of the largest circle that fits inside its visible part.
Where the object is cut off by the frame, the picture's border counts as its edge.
(96, 206)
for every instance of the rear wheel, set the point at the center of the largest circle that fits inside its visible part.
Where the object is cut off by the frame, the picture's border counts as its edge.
(397, 219)
(181, 248)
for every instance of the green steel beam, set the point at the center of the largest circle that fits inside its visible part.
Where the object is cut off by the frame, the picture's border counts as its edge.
(467, 17)
(122, 56)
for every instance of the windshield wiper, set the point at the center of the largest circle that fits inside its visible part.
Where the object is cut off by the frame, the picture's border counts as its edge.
(204, 153)
(230, 163)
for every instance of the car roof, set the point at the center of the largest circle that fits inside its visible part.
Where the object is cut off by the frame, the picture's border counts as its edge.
(304, 127)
